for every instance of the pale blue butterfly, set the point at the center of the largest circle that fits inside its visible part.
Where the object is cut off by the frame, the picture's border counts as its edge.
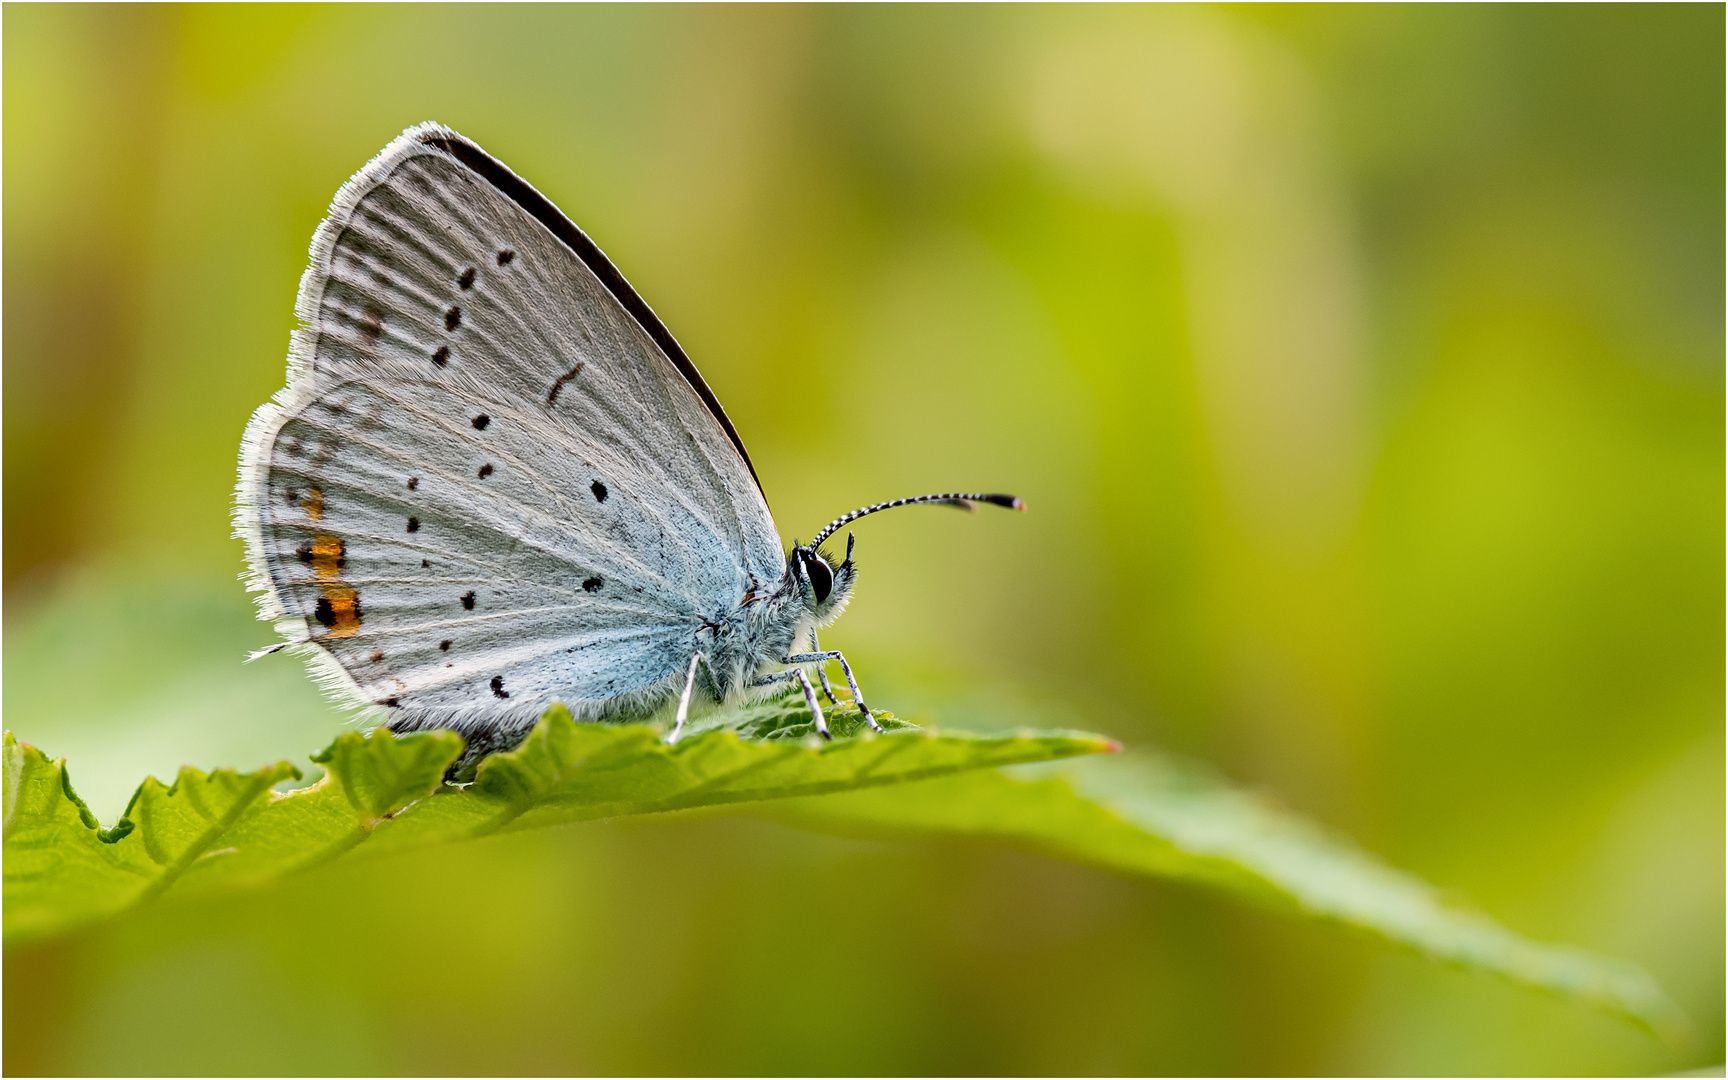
(494, 481)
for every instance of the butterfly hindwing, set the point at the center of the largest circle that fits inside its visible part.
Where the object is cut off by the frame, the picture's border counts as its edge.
(486, 487)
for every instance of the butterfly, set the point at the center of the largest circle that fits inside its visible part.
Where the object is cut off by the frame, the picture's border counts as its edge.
(494, 481)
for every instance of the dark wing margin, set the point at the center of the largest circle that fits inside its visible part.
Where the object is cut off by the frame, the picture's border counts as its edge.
(541, 209)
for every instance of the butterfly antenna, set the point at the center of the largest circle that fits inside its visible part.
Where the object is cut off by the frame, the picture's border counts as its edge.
(965, 500)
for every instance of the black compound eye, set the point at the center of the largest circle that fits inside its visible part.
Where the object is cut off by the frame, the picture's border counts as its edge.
(821, 577)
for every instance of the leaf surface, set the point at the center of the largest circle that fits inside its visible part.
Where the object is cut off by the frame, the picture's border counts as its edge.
(380, 792)
(62, 868)
(1138, 813)
(1145, 814)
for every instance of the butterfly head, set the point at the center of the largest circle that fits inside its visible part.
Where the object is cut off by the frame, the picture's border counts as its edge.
(824, 586)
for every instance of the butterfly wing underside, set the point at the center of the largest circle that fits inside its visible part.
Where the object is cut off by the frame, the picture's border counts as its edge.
(486, 486)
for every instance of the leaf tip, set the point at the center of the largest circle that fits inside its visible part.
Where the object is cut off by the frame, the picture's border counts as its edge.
(557, 711)
(328, 754)
(84, 813)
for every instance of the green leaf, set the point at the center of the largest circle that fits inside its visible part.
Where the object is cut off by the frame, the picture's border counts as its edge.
(175, 825)
(1137, 813)
(568, 772)
(61, 869)
(379, 777)
(382, 792)
(1142, 813)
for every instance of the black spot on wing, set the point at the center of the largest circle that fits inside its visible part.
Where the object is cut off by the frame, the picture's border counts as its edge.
(480, 422)
(485, 470)
(325, 612)
(505, 256)
(498, 686)
(558, 383)
(453, 318)
(413, 524)
(413, 482)
(541, 209)
(466, 280)
(468, 600)
(599, 491)
(592, 585)
(442, 356)
(444, 646)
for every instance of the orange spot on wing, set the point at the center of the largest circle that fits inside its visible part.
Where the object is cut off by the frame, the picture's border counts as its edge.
(339, 609)
(313, 504)
(344, 613)
(327, 554)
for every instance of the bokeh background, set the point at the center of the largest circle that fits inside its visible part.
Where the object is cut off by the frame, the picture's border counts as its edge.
(1362, 367)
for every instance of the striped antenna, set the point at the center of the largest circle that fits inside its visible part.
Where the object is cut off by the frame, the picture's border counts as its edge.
(962, 499)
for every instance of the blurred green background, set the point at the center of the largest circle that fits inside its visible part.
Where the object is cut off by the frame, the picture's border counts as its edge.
(1362, 367)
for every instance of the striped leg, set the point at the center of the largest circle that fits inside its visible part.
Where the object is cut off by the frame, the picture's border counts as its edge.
(809, 695)
(822, 669)
(851, 681)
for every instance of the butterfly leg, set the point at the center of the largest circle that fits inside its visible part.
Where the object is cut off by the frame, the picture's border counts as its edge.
(851, 680)
(809, 694)
(815, 706)
(822, 669)
(684, 700)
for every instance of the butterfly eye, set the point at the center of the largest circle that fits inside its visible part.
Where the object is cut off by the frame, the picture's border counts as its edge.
(821, 578)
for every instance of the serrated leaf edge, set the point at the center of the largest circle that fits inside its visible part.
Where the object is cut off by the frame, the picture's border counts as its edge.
(259, 791)
(261, 782)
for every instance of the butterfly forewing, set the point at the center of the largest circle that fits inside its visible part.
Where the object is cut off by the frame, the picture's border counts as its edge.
(486, 487)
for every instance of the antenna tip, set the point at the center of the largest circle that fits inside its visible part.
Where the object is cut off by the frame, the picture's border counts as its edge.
(1020, 505)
